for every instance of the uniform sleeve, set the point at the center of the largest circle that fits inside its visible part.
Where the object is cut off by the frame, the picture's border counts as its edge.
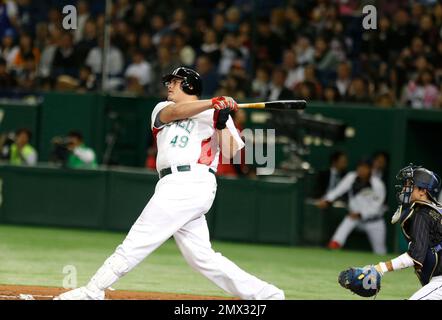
(376, 201)
(343, 187)
(420, 231)
(234, 132)
(156, 123)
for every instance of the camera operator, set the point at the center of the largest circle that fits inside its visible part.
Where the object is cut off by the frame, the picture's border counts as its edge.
(21, 152)
(78, 155)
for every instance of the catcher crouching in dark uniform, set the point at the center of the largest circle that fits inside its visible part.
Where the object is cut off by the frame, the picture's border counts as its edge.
(420, 217)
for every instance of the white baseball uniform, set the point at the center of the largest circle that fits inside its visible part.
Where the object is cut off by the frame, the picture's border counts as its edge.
(369, 203)
(178, 209)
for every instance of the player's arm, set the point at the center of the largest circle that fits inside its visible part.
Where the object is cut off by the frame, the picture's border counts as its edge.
(183, 110)
(417, 250)
(343, 186)
(228, 143)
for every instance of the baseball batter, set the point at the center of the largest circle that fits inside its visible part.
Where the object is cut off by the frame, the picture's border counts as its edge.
(190, 133)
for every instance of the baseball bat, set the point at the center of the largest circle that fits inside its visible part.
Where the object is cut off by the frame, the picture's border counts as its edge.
(276, 105)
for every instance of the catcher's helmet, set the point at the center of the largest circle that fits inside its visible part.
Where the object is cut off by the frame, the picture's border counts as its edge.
(420, 177)
(191, 83)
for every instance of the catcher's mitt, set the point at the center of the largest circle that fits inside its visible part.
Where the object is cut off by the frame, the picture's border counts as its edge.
(365, 282)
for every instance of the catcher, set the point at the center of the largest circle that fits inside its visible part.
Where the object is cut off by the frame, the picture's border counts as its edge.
(420, 217)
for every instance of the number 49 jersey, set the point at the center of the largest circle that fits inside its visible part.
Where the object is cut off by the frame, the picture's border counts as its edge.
(190, 141)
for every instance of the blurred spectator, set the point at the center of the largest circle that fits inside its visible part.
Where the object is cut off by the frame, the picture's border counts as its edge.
(305, 52)
(8, 50)
(209, 76)
(278, 90)
(233, 17)
(87, 79)
(83, 14)
(343, 79)
(268, 44)
(21, 152)
(146, 47)
(366, 196)
(231, 50)
(138, 74)
(138, 18)
(55, 19)
(331, 95)
(324, 59)
(327, 180)
(380, 165)
(311, 82)
(65, 61)
(80, 156)
(185, 52)
(8, 16)
(7, 81)
(422, 93)
(48, 54)
(359, 91)
(122, 9)
(385, 100)
(27, 75)
(210, 46)
(164, 64)
(230, 86)
(88, 40)
(26, 48)
(114, 61)
(295, 72)
(261, 83)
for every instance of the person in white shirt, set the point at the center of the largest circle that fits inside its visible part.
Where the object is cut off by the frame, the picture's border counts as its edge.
(138, 73)
(366, 195)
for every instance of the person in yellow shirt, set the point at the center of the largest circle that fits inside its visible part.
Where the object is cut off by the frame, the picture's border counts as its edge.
(22, 153)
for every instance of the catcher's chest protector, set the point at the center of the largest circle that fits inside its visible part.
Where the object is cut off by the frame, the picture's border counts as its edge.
(432, 265)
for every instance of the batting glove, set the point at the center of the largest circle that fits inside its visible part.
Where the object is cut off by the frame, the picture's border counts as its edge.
(220, 103)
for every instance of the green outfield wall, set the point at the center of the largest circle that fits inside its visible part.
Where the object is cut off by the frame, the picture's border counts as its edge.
(407, 135)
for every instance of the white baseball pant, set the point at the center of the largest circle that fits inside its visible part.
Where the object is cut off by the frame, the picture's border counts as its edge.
(431, 291)
(376, 232)
(178, 208)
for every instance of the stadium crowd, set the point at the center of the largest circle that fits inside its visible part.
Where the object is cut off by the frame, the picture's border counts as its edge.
(310, 49)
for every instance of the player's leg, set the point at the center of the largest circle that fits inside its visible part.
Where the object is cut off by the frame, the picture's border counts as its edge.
(152, 228)
(177, 200)
(194, 243)
(377, 232)
(343, 231)
(432, 291)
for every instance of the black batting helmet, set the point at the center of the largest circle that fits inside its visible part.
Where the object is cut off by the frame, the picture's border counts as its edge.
(191, 83)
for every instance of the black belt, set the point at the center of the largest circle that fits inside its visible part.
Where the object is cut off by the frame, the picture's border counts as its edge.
(166, 171)
(373, 219)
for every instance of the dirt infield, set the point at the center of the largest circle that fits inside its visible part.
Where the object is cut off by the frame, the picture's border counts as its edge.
(9, 292)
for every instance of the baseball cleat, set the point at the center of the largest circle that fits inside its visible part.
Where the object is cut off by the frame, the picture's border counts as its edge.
(81, 294)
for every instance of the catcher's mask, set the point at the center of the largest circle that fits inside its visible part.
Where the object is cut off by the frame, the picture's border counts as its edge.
(412, 176)
(191, 83)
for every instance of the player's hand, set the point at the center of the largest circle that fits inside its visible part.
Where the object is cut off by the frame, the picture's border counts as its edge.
(354, 215)
(222, 102)
(323, 204)
(220, 118)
